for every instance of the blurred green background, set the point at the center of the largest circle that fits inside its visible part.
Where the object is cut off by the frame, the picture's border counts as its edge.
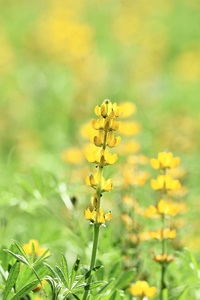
(58, 60)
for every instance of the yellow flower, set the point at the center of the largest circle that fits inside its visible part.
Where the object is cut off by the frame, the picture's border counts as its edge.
(38, 251)
(101, 157)
(106, 124)
(164, 258)
(129, 147)
(92, 180)
(111, 141)
(128, 109)
(39, 287)
(142, 289)
(90, 215)
(163, 207)
(107, 109)
(165, 182)
(165, 160)
(72, 155)
(130, 128)
(101, 217)
(163, 234)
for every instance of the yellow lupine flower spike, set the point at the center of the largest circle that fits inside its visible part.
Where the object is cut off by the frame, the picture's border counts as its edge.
(163, 234)
(165, 160)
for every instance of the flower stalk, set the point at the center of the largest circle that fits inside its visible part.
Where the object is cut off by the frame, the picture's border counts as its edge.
(105, 127)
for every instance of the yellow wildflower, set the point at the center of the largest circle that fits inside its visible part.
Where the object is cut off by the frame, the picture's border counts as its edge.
(165, 182)
(163, 207)
(72, 155)
(130, 128)
(164, 258)
(163, 234)
(107, 109)
(165, 160)
(101, 217)
(38, 251)
(128, 109)
(129, 147)
(137, 159)
(111, 141)
(142, 289)
(92, 180)
(101, 157)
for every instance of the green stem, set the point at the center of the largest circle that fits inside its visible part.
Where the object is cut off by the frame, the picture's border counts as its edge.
(163, 267)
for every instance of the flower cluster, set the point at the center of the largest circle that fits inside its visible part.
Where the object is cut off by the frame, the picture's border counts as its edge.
(142, 289)
(102, 137)
(165, 208)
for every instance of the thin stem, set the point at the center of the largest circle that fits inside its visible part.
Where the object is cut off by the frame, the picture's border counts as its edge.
(163, 267)
(96, 224)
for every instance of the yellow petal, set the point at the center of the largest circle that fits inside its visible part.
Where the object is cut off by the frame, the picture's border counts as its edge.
(108, 216)
(155, 163)
(97, 110)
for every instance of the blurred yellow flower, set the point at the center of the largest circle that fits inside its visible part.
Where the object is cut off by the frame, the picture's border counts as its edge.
(164, 258)
(101, 157)
(38, 251)
(163, 207)
(86, 131)
(165, 183)
(165, 160)
(137, 159)
(142, 289)
(130, 128)
(39, 287)
(127, 109)
(163, 234)
(129, 147)
(73, 155)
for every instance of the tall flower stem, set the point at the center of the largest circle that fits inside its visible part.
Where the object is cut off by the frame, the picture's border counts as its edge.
(163, 267)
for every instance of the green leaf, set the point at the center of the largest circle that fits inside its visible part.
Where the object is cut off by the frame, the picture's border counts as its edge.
(184, 293)
(25, 290)
(99, 276)
(52, 271)
(116, 270)
(12, 277)
(193, 263)
(89, 286)
(116, 295)
(42, 257)
(2, 287)
(74, 271)
(125, 279)
(76, 297)
(21, 250)
(62, 276)
(18, 257)
(86, 276)
(32, 252)
(65, 269)
(107, 286)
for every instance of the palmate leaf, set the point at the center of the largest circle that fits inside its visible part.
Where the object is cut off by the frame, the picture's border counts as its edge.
(25, 290)
(86, 276)
(74, 272)
(12, 277)
(65, 269)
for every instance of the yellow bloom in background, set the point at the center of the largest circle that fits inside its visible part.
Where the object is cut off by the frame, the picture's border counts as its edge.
(128, 109)
(163, 234)
(129, 147)
(164, 258)
(86, 131)
(39, 287)
(163, 207)
(142, 289)
(130, 128)
(165, 182)
(73, 155)
(38, 251)
(165, 160)
(137, 159)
